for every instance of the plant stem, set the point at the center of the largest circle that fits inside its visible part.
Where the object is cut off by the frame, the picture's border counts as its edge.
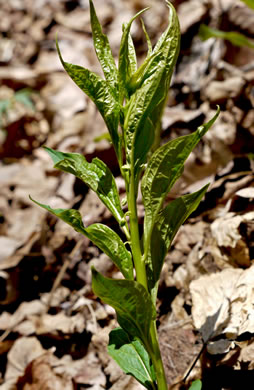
(134, 231)
(139, 262)
(155, 354)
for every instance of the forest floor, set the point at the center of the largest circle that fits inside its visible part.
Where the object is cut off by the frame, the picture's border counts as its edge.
(53, 329)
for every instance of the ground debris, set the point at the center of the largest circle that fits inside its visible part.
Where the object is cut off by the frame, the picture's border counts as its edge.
(222, 307)
(54, 331)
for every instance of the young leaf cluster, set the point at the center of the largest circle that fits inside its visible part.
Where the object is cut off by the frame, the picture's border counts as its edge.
(131, 101)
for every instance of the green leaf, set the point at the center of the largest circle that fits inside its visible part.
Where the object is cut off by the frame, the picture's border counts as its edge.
(24, 96)
(95, 174)
(164, 168)
(4, 106)
(100, 92)
(131, 301)
(140, 75)
(104, 52)
(132, 357)
(127, 58)
(235, 38)
(132, 55)
(196, 385)
(111, 244)
(249, 3)
(167, 223)
(101, 137)
(149, 44)
(146, 104)
(101, 235)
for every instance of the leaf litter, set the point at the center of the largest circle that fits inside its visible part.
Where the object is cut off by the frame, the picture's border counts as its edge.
(209, 270)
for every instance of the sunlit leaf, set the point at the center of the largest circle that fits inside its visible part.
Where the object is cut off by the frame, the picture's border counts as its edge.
(95, 174)
(101, 235)
(104, 52)
(196, 385)
(146, 104)
(111, 244)
(131, 301)
(164, 168)
(234, 37)
(127, 58)
(167, 223)
(132, 357)
(100, 93)
(149, 44)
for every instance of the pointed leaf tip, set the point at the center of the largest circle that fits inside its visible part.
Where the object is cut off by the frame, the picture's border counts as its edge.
(55, 155)
(59, 52)
(206, 126)
(127, 58)
(103, 51)
(148, 89)
(101, 235)
(95, 174)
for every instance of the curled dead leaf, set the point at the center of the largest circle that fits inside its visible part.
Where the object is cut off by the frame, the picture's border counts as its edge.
(223, 306)
(23, 352)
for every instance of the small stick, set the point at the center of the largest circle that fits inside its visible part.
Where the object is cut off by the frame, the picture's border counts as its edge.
(195, 362)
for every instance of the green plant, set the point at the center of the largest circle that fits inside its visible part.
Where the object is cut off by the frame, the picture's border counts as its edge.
(22, 96)
(233, 37)
(249, 3)
(196, 385)
(131, 101)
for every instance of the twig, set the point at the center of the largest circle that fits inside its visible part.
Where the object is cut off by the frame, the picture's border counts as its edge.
(195, 362)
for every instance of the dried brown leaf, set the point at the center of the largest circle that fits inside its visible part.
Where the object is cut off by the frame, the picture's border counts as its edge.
(222, 305)
(189, 13)
(24, 351)
(219, 91)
